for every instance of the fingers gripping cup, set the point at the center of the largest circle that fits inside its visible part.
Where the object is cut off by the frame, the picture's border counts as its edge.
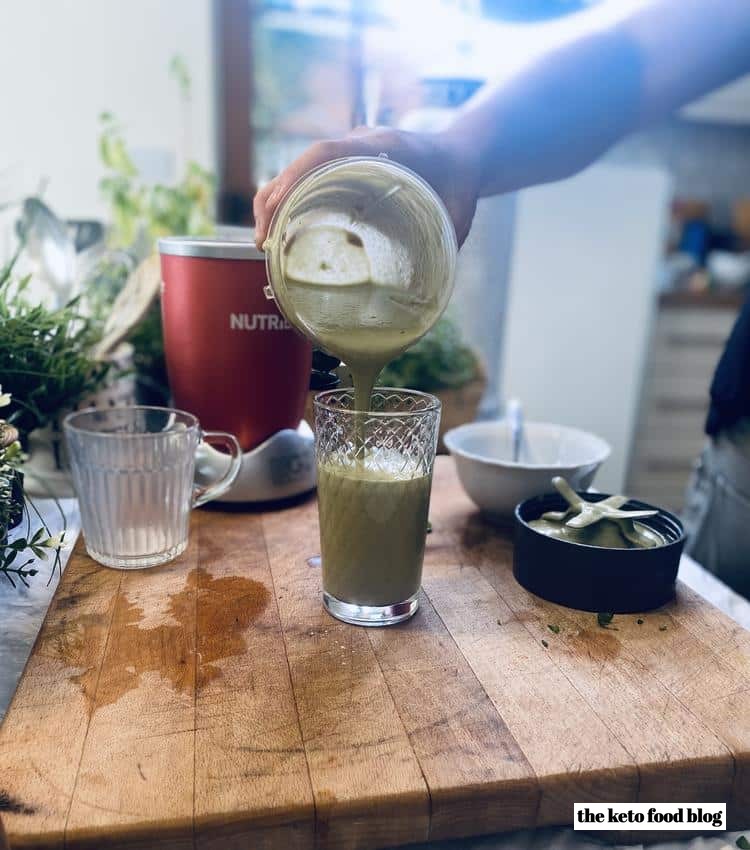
(374, 497)
(133, 470)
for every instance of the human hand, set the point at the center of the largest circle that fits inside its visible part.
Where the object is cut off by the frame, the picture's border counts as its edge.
(447, 167)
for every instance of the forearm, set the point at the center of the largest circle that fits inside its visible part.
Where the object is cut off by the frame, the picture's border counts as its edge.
(567, 107)
(605, 79)
(555, 116)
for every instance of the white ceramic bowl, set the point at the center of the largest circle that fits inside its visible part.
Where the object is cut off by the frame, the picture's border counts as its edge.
(483, 450)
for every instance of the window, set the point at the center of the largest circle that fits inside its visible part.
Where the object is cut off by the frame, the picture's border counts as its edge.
(294, 71)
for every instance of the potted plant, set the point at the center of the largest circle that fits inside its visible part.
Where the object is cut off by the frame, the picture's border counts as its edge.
(47, 354)
(139, 213)
(11, 479)
(19, 552)
(441, 363)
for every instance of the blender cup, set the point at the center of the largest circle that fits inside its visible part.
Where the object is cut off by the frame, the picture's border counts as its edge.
(351, 223)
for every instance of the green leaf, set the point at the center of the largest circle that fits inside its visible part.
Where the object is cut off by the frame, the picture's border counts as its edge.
(640, 621)
(44, 359)
(604, 619)
(743, 843)
(121, 161)
(440, 360)
(553, 628)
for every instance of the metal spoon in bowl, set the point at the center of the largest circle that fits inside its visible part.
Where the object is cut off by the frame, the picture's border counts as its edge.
(514, 415)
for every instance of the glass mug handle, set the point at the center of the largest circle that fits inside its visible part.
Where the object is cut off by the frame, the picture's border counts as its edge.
(201, 495)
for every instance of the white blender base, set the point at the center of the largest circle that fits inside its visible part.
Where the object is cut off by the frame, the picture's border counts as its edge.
(279, 468)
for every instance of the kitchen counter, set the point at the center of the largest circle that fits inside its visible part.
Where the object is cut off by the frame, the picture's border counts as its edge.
(722, 299)
(22, 611)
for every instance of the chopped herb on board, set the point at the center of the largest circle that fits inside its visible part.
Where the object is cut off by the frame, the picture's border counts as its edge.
(553, 628)
(743, 843)
(640, 621)
(662, 628)
(544, 643)
(604, 619)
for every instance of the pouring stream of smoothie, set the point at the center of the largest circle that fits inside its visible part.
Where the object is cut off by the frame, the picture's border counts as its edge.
(361, 261)
(361, 321)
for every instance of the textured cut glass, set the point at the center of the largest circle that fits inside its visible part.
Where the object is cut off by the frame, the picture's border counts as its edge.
(374, 480)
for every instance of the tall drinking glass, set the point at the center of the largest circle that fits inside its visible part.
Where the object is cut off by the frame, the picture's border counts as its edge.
(374, 480)
(133, 472)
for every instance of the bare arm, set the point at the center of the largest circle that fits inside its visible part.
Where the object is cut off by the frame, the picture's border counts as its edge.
(572, 103)
(563, 110)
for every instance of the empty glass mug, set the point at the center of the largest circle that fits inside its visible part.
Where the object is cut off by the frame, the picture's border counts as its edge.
(133, 472)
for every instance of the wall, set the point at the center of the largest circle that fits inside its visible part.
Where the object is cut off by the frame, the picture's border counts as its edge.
(63, 62)
(582, 300)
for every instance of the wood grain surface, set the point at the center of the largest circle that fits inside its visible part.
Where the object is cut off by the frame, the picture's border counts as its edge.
(212, 703)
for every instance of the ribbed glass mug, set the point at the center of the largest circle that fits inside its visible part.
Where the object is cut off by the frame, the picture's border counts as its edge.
(133, 471)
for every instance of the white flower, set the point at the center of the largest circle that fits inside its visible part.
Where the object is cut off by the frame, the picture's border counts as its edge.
(54, 542)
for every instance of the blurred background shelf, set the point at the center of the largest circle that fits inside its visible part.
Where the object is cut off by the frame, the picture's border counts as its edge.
(686, 344)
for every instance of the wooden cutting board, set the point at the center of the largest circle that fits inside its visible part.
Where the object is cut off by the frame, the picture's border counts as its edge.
(212, 703)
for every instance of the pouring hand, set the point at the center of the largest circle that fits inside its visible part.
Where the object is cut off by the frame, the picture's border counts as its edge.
(447, 167)
(562, 109)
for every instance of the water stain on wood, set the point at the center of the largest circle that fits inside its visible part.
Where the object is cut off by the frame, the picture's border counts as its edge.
(69, 601)
(477, 533)
(225, 607)
(596, 644)
(10, 804)
(69, 639)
